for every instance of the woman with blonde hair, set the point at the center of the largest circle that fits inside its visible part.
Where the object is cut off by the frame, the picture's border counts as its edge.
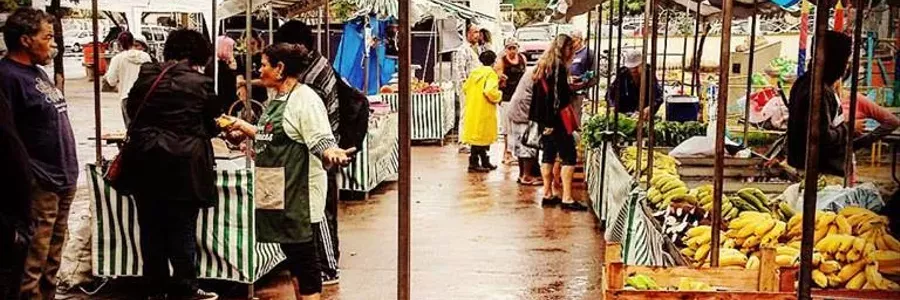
(552, 96)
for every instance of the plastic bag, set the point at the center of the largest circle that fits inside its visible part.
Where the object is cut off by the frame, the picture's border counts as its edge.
(694, 147)
(835, 198)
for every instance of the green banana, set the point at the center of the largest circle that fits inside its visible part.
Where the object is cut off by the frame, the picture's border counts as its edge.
(752, 200)
(786, 210)
(742, 204)
(673, 184)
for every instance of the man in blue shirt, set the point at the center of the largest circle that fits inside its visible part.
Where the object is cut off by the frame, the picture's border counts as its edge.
(581, 71)
(40, 117)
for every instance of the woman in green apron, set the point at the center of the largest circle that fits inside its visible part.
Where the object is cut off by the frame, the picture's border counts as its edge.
(293, 143)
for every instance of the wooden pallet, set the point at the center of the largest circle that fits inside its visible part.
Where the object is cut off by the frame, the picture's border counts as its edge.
(737, 284)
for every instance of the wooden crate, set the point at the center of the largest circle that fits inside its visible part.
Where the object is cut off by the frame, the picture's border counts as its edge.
(738, 284)
(788, 280)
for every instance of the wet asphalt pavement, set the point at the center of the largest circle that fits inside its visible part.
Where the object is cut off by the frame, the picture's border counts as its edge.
(474, 236)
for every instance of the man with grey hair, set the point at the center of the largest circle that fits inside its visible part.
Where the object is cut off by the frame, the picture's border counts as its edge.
(41, 119)
(581, 71)
(465, 59)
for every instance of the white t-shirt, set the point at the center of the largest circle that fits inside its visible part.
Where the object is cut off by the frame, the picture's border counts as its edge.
(306, 121)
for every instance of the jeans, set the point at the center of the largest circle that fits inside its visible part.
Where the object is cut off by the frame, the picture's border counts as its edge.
(50, 212)
(168, 235)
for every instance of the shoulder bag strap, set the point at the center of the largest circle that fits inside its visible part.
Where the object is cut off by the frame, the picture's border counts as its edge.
(150, 92)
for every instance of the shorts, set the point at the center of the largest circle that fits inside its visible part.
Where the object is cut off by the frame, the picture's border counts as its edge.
(303, 262)
(559, 143)
(514, 142)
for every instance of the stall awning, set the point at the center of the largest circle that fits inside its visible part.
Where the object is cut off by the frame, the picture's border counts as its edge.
(423, 9)
(565, 9)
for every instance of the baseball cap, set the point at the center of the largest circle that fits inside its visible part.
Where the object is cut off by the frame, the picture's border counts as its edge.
(511, 42)
(632, 59)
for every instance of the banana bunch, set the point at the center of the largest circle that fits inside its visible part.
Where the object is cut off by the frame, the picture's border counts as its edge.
(844, 248)
(662, 163)
(851, 262)
(782, 211)
(888, 261)
(870, 226)
(705, 200)
(698, 240)
(688, 284)
(751, 229)
(827, 223)
(666, 188)
(641, 282)
(751, 199)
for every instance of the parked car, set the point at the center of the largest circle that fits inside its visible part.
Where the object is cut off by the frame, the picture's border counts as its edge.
(76, 39)
(533, 41)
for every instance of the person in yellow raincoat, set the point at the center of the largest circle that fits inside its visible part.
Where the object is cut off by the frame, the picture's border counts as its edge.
(482, 90)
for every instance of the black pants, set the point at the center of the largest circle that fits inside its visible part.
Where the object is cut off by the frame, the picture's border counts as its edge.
(559, 143)
(12, 263)
(479, 156)
(327, 232)
(168, 235)
(303, 262)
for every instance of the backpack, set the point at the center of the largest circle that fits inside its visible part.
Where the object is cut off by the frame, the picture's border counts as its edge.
(353, 111)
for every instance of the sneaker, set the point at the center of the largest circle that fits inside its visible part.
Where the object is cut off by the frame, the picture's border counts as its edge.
(551, 201)
(574, 206)
(203, 295)
(328, 280)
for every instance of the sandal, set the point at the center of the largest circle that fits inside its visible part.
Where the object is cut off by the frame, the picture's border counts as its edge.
(533, 182)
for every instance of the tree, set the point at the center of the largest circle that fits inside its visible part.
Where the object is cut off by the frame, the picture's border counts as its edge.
(632, 7)
(58, 64)
(528, 11)
(342, 10)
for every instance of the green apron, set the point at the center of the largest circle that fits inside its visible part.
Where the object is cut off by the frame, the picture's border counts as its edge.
(281, 181)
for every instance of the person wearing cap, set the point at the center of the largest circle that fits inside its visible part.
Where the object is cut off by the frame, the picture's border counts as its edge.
(124, 68)
(510, 67)
(465, 60)
(140, 43)
(624, 93)
(581, 72)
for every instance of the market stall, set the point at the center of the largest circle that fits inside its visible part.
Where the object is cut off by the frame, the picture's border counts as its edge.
(378, 160)
(226, 239)
(434, 113)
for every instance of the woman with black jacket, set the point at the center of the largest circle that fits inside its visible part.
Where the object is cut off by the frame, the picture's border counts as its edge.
(172, 153)
(551, 95)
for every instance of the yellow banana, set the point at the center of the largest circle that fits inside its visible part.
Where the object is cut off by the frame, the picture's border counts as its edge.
(859, 244)
(848, 271)
(853, 210)
(843, 225)
(891, 242)
(785, 250)
(846, 243)
(824, 219)
(874, 277)
(829, 267)
(856, 282)
(698, 230)
(772, 236)
(701, 252)
(853, 256)
(834, 281)
(764, 227)
(819, 278)
(752, 263)
(750, 242)
(784, 260)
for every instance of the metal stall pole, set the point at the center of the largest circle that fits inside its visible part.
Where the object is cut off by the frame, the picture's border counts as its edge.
(695, 65)
(603, 155)
(854, 88)
(326, 18)
(812, 154)
(650, 78)
(248, 73)
(96, 77)
(683, 50)
(271, 26)
(665, 50)
(404, 111)
(721, 117)
(615, 137)
(213, 34)
(319, 28)
(750, 58)
(598, 48)
(642, 99)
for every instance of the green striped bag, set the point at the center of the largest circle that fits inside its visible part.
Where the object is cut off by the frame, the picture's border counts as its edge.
(227, 247)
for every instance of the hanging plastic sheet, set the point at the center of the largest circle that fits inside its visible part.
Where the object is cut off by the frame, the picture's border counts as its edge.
(642, 243)
(834, 198)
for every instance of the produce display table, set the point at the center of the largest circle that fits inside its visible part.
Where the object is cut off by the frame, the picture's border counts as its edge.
(433, 114)
(379, 158)
(226, 235)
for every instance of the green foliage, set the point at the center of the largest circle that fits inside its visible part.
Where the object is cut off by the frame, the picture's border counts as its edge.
(632, 8)
(342, 10)
(528, 11)
(666, 134)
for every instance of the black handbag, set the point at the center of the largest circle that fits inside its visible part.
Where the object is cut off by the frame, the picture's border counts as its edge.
(115, 174)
